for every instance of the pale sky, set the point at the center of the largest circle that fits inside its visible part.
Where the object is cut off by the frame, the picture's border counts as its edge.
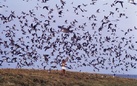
(123, 24)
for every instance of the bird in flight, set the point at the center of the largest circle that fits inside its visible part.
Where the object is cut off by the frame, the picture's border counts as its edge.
(65, 30)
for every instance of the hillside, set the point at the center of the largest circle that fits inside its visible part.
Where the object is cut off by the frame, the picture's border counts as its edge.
(25, 77)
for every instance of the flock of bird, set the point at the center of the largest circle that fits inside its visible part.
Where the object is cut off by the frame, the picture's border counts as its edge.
(28, 40)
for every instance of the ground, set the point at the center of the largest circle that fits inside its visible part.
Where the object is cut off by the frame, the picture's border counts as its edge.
(31, 77)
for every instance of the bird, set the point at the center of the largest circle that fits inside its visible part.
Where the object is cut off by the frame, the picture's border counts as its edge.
(121, 3)
(65, 30)
(62, 2)
(132, 2)
(46, 7)
(44, 1)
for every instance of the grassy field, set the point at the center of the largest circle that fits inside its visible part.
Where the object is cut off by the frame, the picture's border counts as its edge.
(25, 77)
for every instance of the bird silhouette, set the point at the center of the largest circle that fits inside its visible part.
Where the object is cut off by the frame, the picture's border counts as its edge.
(65, 30)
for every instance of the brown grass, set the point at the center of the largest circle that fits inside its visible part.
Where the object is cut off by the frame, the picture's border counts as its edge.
(30, 77)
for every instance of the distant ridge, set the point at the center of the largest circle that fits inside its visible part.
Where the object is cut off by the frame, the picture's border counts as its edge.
(132, 76)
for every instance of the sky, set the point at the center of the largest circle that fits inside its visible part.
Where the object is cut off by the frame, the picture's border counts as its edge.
(122, 31)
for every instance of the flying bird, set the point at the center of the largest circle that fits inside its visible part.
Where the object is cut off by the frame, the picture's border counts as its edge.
(121, 2)
(65, 30)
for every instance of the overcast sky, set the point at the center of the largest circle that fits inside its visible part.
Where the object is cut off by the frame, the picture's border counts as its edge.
(127, 22)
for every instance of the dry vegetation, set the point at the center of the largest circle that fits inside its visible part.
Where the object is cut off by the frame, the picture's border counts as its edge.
(25, 77)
